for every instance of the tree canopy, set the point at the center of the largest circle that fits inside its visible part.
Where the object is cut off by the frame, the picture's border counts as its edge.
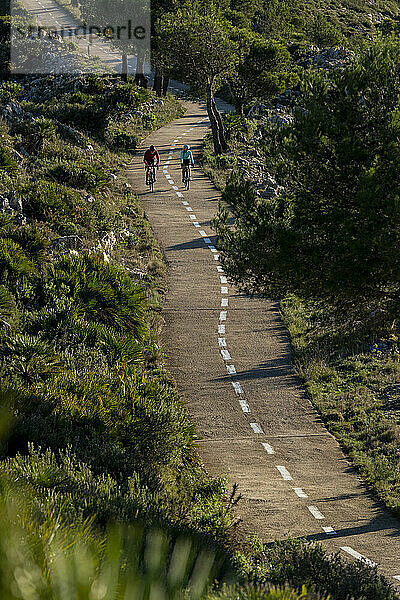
(335, 232)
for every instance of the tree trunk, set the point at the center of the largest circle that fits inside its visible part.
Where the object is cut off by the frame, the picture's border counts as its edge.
(221, 128)
(124, 72)
(140, 78)
(165, 85)
(158, 83)
(213, 121)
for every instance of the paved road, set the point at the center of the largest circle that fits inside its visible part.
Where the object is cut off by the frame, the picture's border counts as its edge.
(231, 358)
(47, 13)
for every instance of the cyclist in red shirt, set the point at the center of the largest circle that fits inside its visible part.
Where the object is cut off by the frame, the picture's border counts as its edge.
(150, 156)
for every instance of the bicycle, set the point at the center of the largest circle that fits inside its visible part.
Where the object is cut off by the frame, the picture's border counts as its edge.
(186, 176)
(151, 177)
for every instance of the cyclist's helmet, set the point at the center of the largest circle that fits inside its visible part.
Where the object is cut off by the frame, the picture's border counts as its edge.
(186, 147)
(152, 148)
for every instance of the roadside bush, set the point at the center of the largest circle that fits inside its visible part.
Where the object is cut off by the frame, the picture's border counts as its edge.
(100, 291)
(52, 202)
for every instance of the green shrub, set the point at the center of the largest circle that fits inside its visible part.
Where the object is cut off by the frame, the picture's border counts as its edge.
(52, 202)
(14, 263)
(81, 176)
(7, 162)
(100, 291)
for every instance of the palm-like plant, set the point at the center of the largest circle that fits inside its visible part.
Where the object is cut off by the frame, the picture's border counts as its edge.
(7, 307)
(30, 357)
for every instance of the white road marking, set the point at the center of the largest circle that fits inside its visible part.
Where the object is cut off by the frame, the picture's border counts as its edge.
(237, 387)
(203, 233)
(285, 473)
(207, 241)
(231, 369)
(213, 248)
(179, 194)
(189, 209)
(221, 328)
(184, 133)
(268, 448)
(216, 256)
(185, 203)
(174, 187)
(358, 556)
(224, 290)
(193, 217)
(316, 513)
(222, 315)
(256, 428)
(225, 355)
(244, 406)
(175, 141)
(220, 269)
(300, 492)
(329, 531)
(196, 224)
(396, 577)
(171, 152)
(224, 302)
(171, 181)
(223, 279)
(222, 342)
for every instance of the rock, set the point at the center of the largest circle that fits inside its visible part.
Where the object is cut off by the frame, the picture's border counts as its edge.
(127, 186)
(112, 177)
(69, 242)
(136, 274)
(14, 202)
(107, 241)
(20, 219)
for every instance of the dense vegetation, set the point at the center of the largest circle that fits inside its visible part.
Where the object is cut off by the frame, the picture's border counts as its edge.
(101, 483)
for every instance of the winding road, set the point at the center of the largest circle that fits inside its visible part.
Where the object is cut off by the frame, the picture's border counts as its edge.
(231, 358)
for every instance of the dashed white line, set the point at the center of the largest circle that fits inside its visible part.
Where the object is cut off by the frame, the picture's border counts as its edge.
(285, 473)
(269, 449)
(238, 388)
(256, 428)
(223, 279)
(171, 181)
(396, 577)
(222, 342)
(244, 406)
(193, 217)
(358, 556)
(231, 369)
(222, 315)
(224, 302)
(224, 290)
(225, 355)
(207, 241)
(185, 203)
(216, 256)
(196, 224)
(174, 187)
(203, 233)
(220, 269)
(213, 248)
(221, 328)
(179, 194)
(189, 209)
(300, 492)
(316, 513)
(329, 531)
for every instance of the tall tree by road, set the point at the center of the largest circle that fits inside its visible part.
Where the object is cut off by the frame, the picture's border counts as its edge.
(198, 48)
